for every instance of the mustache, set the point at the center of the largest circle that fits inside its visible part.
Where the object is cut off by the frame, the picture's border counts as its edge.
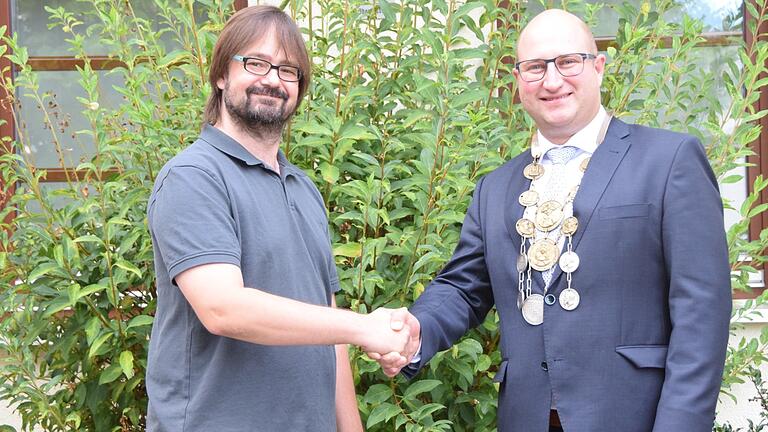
(267, 91)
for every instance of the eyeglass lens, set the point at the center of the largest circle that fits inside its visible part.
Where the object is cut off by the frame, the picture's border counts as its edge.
(567, 65)
(262, 67)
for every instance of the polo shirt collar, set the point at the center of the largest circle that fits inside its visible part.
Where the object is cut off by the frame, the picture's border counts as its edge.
(226, 144)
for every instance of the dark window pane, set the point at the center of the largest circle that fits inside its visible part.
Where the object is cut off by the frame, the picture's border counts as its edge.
(61, 90)
(30, 21)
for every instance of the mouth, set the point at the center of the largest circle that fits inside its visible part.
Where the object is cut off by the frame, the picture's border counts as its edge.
(555, 98)
(272, 93)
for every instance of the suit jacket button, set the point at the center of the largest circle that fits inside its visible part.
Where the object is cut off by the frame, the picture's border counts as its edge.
(544, 366)
(550, 299)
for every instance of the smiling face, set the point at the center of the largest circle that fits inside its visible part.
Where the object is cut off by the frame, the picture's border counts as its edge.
(560, 106)
(253, 101)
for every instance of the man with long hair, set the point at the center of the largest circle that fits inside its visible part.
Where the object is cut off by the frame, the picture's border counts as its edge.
(246, 324)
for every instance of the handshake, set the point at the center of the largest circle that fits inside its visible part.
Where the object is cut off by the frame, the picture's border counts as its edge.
(392, 337)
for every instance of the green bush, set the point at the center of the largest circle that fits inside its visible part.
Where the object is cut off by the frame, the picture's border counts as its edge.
(412, 101)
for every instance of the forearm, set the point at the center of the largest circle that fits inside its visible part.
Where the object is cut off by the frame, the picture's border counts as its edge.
(227, 308)
(347, 413)
(255, 316)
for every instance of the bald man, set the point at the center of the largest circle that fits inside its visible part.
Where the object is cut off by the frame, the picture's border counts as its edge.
(604, 252)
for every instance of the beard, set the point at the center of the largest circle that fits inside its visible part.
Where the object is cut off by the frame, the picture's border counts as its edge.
(267, 116)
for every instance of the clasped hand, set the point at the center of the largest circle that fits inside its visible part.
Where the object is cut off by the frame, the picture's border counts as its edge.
(395, 336)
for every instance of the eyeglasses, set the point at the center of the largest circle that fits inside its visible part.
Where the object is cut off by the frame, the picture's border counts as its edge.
(567, 64)
(262, 67)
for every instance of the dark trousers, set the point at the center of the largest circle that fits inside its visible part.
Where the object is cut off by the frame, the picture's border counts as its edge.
(555, 429)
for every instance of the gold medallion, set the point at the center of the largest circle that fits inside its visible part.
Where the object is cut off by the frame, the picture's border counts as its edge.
(525, 227)
(549, 215)
(533, 170)
(584, 164)
(570, 225)
(543, 254)
(529, 198)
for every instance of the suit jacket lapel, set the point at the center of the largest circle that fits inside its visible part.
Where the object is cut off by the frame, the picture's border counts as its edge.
(602, 166)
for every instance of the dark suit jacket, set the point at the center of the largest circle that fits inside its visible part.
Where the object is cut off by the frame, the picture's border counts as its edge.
(645, 349)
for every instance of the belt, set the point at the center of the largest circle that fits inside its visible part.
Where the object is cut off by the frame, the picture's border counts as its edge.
(554, 420)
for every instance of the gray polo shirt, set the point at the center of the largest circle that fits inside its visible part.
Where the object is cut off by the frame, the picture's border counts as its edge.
(216, 203)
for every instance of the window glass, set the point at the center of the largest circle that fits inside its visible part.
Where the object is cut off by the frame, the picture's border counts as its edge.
(31, 20)
(712, 61)
(717, 15)
(65, 112)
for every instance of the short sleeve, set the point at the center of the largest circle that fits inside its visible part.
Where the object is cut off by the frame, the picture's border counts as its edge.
(332, 273)
(191, 221)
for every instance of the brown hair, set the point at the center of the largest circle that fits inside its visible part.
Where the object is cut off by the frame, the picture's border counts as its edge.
(245, 28)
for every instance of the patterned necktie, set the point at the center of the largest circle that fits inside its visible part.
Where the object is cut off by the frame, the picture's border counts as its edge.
(555, 189)
(560, 155)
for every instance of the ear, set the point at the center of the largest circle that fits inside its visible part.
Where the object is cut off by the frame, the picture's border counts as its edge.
(221, 83)
(600, 65)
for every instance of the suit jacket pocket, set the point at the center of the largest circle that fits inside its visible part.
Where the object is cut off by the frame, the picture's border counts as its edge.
(625, 211)
(502, 373)
(644, 356)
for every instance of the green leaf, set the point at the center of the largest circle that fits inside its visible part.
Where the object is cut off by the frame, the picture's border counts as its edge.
(111, 373)
(126, 363)
(468, 97)
(176, 56)
(329, 172)
(419, 387)
(125, 265)
(426, 410)
(96, 347)
(355, 132)
(92, 329)
(483, 363)
(349, 250)
(377, 394)
(89, 238)
(72, 418)
(140, 320)
(58, 304)
(43, 269)
(731, 179)
(381, 414)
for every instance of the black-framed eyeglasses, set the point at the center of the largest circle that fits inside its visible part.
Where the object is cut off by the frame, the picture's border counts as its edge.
(262, 67)
(567, 64)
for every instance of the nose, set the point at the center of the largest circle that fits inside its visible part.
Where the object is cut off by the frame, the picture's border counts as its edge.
(552, 79)
(271, 78)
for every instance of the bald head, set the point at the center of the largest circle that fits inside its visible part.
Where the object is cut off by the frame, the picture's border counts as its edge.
(555, 24)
